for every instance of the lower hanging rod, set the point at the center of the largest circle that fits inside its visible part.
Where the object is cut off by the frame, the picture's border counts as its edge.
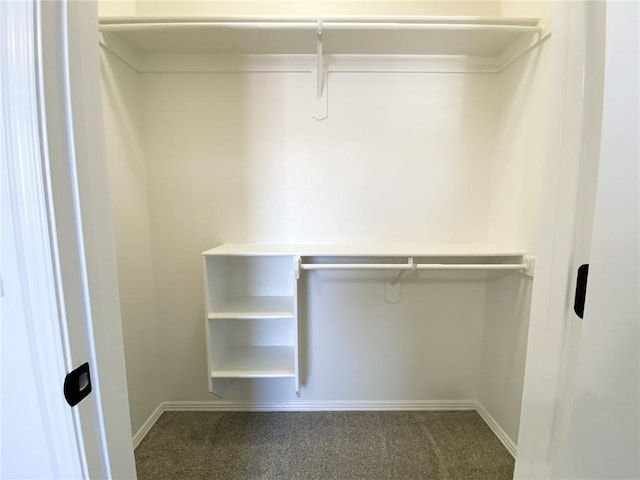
(356, 266)
(471, 266)
(418, 266)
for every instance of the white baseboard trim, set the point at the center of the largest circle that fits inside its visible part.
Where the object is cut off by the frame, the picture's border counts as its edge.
(146, 426)
(319, 406)
(497, 430)
(325, 406)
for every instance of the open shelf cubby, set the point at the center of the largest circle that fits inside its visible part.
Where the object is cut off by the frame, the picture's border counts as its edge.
(251, 316)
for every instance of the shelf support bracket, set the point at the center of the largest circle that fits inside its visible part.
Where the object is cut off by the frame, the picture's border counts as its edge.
(219, 386)
(530, 265)
(392, 285)
(400, 274)
(297, 264)
(522, 47)
(319, 59)
(320, 101)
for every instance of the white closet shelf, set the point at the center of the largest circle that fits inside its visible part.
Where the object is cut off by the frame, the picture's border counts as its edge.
(402, 257)
(475, 36)
(370, 250)
(153, 44)
(256, 362)
(254, 308)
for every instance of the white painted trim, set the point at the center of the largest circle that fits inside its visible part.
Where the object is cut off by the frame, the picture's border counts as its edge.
(41, 435)
(146, 426)
(157, 63)
(82, 231)
(497, 430)
(320, 406)
(226, 63)
(410, 64)
(575, 46)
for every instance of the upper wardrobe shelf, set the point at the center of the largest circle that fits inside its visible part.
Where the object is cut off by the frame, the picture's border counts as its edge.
(377, 250)
(401, 257)
(491, 43)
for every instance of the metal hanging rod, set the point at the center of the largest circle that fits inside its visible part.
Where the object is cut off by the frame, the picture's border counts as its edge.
(356, 266)
(471, 266)
(417, 266)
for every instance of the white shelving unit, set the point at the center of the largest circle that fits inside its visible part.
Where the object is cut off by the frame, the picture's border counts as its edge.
(367, 250)
(462, 36)
(251, 319)
(255, 307)
(321, 46)
(257, 362)
(252, 304)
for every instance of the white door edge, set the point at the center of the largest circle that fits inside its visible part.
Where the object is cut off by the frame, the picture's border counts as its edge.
(548, 349)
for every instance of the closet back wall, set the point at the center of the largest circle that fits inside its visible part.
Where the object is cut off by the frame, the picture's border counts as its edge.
(238, 158)
(318, 8)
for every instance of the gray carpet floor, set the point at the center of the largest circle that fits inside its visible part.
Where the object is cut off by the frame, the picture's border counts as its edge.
(322, 445)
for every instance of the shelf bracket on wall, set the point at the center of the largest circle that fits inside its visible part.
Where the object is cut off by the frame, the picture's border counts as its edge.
(529, 263)
(320, 107)
(392, 285)
(297, 265)
(219, 386)
(523, 46)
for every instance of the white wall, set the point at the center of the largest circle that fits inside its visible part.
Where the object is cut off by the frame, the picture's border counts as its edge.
(516, 188)
(116, 8)
(237, 158)
(504, 346)
(122, 97)
(520, 149)
(160, 8)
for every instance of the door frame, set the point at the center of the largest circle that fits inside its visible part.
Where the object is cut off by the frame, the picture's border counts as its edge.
(72, 106)
(571, 170)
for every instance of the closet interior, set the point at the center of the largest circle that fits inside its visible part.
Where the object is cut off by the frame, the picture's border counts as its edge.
(326, 212)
